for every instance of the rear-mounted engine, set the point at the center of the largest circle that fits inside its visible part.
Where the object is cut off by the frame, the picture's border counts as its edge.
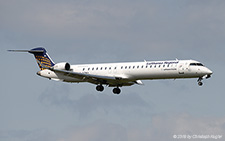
(62, 66)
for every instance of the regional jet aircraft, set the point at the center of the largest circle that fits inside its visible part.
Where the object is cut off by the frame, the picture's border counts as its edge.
(117, 74)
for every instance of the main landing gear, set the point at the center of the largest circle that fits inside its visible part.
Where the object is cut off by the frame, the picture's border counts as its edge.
(200, 83)
(116, 90)
(100, 88)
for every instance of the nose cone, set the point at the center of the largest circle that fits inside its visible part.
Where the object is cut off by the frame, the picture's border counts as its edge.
(209, 72)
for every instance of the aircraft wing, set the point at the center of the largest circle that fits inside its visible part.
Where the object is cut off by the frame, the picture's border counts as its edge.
(97, 79)
(111, 81)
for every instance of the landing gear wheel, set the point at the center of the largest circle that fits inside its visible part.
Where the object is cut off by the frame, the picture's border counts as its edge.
(99, 88)
(116, 90)
(200, 83)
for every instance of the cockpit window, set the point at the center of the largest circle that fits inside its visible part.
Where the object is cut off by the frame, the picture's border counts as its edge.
(199, 64)
(196, 64)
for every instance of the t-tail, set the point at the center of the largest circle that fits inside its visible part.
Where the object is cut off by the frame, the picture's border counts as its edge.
(41, 56)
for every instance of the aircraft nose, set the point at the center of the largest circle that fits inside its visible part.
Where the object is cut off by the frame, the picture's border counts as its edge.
(209, 72)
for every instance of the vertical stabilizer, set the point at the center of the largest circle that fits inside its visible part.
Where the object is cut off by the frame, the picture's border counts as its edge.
(41, 55)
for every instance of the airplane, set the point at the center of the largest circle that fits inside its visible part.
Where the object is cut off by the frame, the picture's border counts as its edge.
(117, 74)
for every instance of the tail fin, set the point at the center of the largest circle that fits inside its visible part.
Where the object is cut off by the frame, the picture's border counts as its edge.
(41, 56)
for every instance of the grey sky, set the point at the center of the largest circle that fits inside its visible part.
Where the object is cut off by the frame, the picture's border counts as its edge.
(33, 108)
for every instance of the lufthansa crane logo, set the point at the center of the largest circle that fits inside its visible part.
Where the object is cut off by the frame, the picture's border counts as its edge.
(45, 61)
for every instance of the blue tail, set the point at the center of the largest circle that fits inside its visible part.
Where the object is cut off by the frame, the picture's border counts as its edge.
(41, 55)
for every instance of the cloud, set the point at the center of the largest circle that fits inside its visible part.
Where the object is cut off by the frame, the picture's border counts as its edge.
(187, 124)
(126, 117)
(96, 131)
(89, 104)
(162, 127)
(68, 17)
(28, 135)
(145, 28)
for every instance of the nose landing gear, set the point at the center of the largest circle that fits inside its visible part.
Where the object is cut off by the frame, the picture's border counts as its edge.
(200, 83)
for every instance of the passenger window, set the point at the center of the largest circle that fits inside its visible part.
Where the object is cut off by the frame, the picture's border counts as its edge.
(142, 67)
(115, 68)
(101, 68)
(110, 68)
(129, 67)
(105, 68)
(159, 66)
(125, 67)
(137, 67)
(88, 68)
(83, 69)
(93, 68)
(97, 68)
(133, 67)
(121, 67)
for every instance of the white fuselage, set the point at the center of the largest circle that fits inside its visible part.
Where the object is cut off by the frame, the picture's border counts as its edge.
(172, 69)
(117, 74)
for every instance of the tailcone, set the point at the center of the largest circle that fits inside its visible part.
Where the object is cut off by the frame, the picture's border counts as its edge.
(39, 73)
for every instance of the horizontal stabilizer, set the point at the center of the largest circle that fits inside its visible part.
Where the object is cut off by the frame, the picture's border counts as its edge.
(43, 59)
(18, 50)
(30, 51)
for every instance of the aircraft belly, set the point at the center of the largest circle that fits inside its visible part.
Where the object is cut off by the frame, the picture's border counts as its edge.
(158, 74)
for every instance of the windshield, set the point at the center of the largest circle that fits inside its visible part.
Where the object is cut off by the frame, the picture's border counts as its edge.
(196, 64)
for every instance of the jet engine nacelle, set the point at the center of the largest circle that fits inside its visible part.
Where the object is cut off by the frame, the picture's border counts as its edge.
(62, 66)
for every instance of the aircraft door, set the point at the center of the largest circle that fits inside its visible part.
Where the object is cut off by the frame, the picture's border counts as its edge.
(181, 68)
